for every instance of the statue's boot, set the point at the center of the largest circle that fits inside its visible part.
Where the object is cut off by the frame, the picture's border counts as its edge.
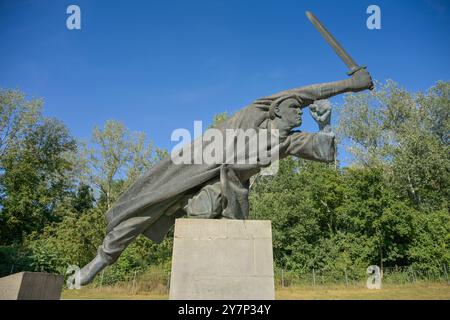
(89, 271)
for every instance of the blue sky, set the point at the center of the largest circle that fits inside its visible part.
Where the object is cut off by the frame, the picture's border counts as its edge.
(160, 65)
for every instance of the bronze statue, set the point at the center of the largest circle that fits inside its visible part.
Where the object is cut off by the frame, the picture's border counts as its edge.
(220, 190)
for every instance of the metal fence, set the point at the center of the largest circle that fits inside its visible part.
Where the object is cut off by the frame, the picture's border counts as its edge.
(158, 280)
(155, 281)
(389, 275)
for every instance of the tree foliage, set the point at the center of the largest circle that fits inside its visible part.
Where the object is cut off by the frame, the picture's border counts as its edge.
(35, 179)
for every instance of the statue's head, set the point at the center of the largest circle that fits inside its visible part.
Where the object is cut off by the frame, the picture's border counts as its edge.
(288, 113)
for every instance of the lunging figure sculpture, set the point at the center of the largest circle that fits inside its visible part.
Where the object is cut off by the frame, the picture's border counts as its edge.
(220, 190)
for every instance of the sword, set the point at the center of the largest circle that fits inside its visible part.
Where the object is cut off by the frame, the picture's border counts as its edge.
(345, 57)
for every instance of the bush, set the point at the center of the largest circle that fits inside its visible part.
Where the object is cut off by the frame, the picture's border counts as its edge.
(14, 259)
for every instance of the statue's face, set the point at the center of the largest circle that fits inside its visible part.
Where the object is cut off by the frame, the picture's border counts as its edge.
(290, 113)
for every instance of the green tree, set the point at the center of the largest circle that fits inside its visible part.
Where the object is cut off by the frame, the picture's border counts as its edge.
(17, 117)
(405, 133)
(117, 154)
(35, 180)
(115, 160)
(83, 200)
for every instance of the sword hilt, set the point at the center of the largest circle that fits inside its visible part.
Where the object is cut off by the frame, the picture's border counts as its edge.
(354, 69)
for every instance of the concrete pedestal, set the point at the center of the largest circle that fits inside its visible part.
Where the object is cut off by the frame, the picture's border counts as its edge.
(31, 286)
(222, 259)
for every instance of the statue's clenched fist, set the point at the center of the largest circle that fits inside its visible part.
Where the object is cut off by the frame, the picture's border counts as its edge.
(321, 112)
(361, 80)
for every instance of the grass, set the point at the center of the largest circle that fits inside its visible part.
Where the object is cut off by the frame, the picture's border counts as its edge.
(110, 294)
(416, 291)
(413, 291)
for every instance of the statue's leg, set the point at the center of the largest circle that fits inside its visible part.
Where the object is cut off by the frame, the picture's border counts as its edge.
(206, 204)
(113, 244)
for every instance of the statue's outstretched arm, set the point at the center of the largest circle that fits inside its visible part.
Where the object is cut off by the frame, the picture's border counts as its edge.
(312, 146)
(360, 81)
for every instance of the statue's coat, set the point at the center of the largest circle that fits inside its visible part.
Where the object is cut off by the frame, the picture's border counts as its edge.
(161, 190)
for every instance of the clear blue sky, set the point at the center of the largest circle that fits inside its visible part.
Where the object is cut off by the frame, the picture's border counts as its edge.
(160, 65)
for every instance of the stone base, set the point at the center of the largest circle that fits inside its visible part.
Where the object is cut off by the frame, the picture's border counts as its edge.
(31, 286)
(222, 259)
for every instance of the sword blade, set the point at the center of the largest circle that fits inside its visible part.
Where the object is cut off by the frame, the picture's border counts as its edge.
(348, 60)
